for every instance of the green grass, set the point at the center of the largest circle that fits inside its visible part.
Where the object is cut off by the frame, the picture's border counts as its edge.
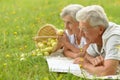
(20, 21)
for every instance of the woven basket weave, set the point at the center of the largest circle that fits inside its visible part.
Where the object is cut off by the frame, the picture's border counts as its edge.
(45, 32)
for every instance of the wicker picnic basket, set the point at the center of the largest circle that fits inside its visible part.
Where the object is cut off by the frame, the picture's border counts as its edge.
(45, 32)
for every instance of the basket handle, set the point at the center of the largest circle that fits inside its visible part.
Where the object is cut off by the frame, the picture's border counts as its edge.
(39, 37)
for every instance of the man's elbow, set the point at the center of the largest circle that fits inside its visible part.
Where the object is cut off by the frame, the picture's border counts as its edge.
(108, 71)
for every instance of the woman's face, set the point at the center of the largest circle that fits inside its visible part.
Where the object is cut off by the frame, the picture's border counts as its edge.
(70, 24)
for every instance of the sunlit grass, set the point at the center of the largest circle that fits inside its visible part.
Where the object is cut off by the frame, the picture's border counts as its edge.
(20, 21)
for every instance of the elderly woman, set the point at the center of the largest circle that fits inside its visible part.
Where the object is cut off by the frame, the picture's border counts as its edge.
(71, 39)
(103, 55)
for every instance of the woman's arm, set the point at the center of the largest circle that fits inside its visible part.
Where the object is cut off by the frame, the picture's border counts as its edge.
(71, 47)
(69, 53)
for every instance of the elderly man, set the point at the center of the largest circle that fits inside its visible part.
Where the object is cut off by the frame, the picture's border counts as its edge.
(103, 55)
(71, 40)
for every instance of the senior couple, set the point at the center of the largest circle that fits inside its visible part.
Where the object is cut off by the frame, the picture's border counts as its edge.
(91, 39)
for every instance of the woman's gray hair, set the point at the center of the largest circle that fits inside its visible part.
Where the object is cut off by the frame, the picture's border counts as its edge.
(94, 15)
(71, 10)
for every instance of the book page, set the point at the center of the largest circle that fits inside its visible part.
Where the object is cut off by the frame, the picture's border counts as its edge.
(62, 64)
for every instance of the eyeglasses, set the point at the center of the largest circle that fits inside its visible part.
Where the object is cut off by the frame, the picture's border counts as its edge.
(87, 30)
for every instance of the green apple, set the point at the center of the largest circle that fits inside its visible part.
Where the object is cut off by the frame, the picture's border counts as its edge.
(49, 43)
(46, 53)
(40, 54)
(42, 50)
(44, 42)
(54, 44)
(60, 32)
(40, 45)
(48, 49)
(49, 39)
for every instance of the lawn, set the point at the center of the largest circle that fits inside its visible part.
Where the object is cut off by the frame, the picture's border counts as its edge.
(20, 21)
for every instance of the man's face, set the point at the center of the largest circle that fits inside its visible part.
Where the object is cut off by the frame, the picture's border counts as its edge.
(70, 24)
(90, 33)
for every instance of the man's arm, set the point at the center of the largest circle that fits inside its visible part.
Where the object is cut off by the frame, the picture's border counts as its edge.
(109, 67)
(111, 60)
(94, 60)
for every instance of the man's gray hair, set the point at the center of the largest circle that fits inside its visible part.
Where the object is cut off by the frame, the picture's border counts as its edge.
(71, 10)
(94, 15)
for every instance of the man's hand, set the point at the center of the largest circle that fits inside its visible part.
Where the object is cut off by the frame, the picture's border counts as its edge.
(81, 61)
(97, 61)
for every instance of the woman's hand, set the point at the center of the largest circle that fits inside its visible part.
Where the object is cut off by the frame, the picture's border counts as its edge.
(78, 60)
(60, 43)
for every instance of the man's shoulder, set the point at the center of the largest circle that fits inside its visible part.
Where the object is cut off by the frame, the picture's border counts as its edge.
(113, 29)
(112, 24)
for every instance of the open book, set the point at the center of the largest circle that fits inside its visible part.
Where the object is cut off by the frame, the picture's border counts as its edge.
(62, 64)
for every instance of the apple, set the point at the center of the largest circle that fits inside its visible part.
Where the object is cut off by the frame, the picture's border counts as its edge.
(54, 44)
(60, 32)
(39, 54)
(46, 53)
(49, 39)
(44, 42)
(49, 43)
(40, 45)
(48, 49)
(42, 50)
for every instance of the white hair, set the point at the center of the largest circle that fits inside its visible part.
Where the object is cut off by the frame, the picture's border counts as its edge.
(71, 10)
(94, 15)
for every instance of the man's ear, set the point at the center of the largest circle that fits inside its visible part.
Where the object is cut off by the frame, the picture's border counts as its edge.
(101, 29)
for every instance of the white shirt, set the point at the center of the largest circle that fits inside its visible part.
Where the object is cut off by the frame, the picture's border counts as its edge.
(72, 40)
(111, 43)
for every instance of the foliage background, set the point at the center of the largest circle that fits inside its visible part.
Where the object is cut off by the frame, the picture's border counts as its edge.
(20, 21)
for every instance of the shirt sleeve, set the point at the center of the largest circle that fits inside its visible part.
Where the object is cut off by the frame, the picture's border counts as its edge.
(113, 47)
(91, 50)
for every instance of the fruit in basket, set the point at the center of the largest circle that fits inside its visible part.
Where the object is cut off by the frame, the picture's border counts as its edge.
(60, 32)
(54, 44)
(48, 49)
(46, 53)
(44, 42)
(48, 43)
(47, 46)
(40, 45)
(46, 39)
